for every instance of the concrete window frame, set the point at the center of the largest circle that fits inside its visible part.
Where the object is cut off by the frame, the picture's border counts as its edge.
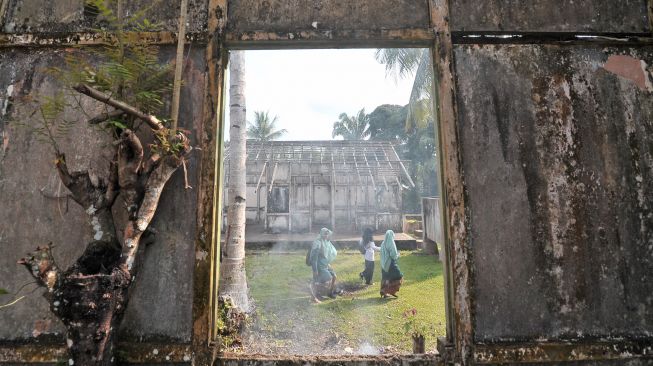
(401, 29)
(435, 36)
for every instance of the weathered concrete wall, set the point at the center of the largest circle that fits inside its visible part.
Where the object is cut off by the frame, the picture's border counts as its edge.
(46, 16)
(411, 360)
(605, 16)
(432, 220)
(557, 150)
(547, 160)
(555, 146)
(292, 15)
(29, 218)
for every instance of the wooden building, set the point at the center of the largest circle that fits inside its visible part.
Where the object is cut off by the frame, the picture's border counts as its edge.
(301, 186)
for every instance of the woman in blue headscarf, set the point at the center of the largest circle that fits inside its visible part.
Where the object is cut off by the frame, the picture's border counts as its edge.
(321, 256)
(391, 276)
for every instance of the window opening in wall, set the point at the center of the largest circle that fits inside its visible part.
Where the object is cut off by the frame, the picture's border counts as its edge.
(342, 140)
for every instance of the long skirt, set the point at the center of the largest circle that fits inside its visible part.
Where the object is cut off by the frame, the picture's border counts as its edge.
(391, 280)
(321, 284)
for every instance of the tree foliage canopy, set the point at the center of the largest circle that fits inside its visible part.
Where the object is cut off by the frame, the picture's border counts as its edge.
(387, 123)
(417, 145)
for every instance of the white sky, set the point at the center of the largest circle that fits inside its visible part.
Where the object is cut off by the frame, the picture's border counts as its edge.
(308, 89)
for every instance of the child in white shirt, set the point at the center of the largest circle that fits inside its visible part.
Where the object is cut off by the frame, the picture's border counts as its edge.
(367, 245)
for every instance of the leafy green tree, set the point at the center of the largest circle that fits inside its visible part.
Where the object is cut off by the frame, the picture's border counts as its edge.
(412, 62)
(419, 149)
(264, 128)
(352, 127)
(417, 145)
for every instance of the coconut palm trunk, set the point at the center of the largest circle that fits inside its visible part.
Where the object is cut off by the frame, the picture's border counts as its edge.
(233, 282)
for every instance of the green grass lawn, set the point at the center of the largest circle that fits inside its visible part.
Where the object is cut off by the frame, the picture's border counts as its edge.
(287, 322)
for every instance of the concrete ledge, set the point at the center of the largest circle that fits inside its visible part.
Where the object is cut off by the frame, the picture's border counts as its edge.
(8, 40)
(130, 352)
(260, 360)
(168, 354)
(554, 352)
(324, 38)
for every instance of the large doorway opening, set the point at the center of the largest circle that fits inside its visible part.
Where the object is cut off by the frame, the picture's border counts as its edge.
(342, 140)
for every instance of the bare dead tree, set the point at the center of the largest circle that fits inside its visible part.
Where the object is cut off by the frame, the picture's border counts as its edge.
(91, 295)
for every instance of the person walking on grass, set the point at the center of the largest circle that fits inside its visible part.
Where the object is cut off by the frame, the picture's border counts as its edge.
(391, 276)
(367, 248)
(321, 255)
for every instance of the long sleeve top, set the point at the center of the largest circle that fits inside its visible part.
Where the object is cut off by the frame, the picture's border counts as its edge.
(370, 248)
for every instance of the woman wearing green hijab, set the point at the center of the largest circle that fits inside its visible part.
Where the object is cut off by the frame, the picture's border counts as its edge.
(321, 256)
(391, 276)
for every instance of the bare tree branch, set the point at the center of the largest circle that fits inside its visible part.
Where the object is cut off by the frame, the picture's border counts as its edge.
(151, 163)
(42, 267)
(90, 196)
(78, 183)
(130, 157)
(106, 116)
(153, 189)
(113, 187)
(152, 121)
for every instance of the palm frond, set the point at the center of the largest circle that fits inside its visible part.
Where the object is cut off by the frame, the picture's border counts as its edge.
(264, 128)
(276, 135)
(411, 61)
(399, 62)
(352, 127)
(420, 109)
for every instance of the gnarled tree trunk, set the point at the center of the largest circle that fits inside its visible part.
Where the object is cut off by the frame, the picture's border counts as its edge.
(90, 297)
(233, 281)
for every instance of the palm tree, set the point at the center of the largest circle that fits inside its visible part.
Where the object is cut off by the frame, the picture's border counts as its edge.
(352, 127)
(233, 282)
(263, 128)
(404, 62)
